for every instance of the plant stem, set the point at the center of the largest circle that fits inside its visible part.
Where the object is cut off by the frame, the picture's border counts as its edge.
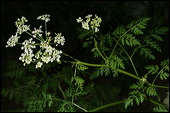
(100, 65)
(71, 103)
(157, 76)
(79, 107)
(59, 86)
(98, 49)
(128, 57)
(129, 74)
(46, 30)
(107, 105)
(155, 102)
(161, 86)
(32, 36)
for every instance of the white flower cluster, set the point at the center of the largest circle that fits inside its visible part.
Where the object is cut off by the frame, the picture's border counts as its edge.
(143, 79)
(28, 55)
(46, 53)
(90, 23)
(58, 39)
(12, 40)
(49, 54)
(21, 27)
(20, 24)
(37, 32)
(45, 17)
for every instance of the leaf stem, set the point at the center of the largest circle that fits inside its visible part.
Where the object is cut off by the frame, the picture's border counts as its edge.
(128, 57)
(98, 49)
(107, 105)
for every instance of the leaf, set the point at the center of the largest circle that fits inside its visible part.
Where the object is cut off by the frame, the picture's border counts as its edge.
(165, 63)
(81, 67)
(116, 62)
(131, 41)
(136, 86)
(128, 102)
(164, 76)
(153, 44)
(141, 97)
(137, 100)
(50, 103)
(160, 109)
(151, 91)
(157, 37)
(147, 52)
(136, 26)
(83, 33)
(152, 69)
(119, 31)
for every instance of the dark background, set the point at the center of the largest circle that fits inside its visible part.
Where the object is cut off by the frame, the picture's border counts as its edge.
(63, 19)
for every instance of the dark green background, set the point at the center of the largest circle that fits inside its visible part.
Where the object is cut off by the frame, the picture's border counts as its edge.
(63, 19)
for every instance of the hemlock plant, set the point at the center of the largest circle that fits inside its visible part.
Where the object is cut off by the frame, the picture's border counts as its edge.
(116, 51)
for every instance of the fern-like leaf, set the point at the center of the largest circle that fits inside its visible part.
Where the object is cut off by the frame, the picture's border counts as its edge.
(152, 69)
(136, 26)
(128, 102)
(147, 52)
(151, 91)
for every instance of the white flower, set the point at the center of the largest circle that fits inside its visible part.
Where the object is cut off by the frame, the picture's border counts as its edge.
(92, 24)
(21, 27)
(143, 80)
(26, 58)
(28, 45)
(37, 55)
(79, 20)
(58, 39)
(38, 65)
(45, 17)
(46, 53)
(21, 22)
(12, 40)
(88, 16)
(37, 32)
(96, 29)
(44, 44)
(85, 25)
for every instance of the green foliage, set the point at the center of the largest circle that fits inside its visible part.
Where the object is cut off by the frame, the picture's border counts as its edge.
(81, 87)
(137, 25)
(81, 67)
(152, 69)
(147, 52)
(115, 62)
(134, 96)
(160, 109)
(151, 91)
(162, 70)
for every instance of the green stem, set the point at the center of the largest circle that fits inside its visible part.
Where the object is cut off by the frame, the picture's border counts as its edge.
(107, 105)
(129, 74)
(157, 76)
(71, 103)
(156, 103)
(160, 86)
(128, 57)
(79, 107)
(100, 65)
(59, 86)
(32, 36)
(98, 49)
(118, 41)
(46, 30)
